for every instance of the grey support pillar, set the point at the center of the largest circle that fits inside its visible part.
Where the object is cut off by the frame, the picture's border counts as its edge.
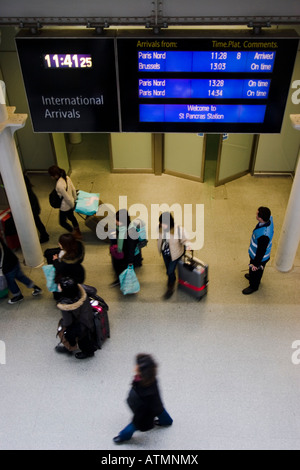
(290, 232)
(12, 176)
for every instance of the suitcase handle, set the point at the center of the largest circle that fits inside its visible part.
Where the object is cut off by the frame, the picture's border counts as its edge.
(191, 263)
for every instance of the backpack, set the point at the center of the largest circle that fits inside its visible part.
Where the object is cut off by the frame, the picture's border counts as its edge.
(55, 199)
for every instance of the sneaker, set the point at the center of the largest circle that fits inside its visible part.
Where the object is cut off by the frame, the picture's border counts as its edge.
(36, 290)
(17, 298)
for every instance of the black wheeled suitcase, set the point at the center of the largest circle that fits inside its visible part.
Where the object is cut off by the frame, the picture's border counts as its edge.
(193, 275)
(101, 324)
(101, 321)
(104, 222)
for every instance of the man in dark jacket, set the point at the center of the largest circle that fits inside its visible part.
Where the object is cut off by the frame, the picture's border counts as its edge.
(12, 272)
(36, 210)
(78, 318)
(260, 248)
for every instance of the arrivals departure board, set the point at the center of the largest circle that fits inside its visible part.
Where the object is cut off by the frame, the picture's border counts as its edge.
(237, 85)
(121, 82)
(70, 83)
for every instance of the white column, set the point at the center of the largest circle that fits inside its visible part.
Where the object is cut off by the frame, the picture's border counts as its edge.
(290, 232)
(14, 184)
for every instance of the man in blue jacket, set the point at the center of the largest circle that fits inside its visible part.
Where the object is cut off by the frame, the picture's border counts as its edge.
(260, 248)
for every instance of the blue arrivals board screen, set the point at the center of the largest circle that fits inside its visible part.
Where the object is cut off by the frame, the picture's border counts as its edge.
(206, 61)
(237, 85)
(200, 88)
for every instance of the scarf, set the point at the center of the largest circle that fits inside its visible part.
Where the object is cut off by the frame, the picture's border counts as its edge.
(122, 232)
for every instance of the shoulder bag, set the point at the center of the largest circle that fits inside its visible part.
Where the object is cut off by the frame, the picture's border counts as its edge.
(54, 198)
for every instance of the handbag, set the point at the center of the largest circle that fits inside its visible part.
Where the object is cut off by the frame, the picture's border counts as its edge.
(50, 252)
(55, 199)
(61, 331)
(129, 283)
(49, 271)
(3, 282)
(115, 253)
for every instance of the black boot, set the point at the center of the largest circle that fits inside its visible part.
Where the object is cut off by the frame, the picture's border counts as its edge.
(170, 290)
(83, 355)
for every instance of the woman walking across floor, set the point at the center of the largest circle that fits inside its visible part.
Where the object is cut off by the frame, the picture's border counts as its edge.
(123, 244)
(66, 190)
(144, 400)
(12, 272)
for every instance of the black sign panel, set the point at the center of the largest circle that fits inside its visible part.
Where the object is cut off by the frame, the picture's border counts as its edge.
(70, 83)
(211, 85)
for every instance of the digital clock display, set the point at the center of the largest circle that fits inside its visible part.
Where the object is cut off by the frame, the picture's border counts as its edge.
(67, 61)
(70, 82)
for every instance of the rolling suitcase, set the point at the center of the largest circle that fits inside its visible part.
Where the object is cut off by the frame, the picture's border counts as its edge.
(193, 276)
(101, 324)
(104, 222)
(101, 321)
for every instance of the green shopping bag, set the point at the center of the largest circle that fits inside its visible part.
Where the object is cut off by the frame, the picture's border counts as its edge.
(129, 283)
(49, 271)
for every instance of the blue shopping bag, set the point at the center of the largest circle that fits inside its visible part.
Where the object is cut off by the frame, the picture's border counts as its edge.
(129, 283)
(87, 203)
(49, 271)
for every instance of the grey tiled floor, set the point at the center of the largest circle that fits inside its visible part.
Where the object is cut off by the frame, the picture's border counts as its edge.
(225, 363)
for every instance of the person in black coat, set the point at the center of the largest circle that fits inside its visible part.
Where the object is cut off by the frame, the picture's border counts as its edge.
(144, 400)
(123, 244)
(12, 271)
(77, 324)
(36, 210)
(68, 262)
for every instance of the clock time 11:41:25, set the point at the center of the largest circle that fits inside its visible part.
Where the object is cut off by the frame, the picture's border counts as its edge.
(70, 61)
